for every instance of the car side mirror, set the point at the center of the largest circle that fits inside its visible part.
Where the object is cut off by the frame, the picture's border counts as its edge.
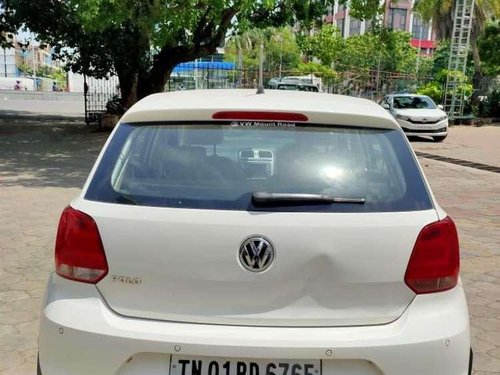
(440, 106)
(386, 106)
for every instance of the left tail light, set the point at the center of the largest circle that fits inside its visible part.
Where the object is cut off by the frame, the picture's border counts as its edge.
(79, 254)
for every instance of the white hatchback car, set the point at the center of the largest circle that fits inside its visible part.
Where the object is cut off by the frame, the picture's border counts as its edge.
(418, 115)
(231, 233)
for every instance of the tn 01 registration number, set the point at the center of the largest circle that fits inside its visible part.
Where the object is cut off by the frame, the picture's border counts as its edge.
(218, 366)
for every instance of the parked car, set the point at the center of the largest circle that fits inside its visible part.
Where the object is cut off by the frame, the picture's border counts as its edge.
(293, 84)
(417, 115)
(224, 232)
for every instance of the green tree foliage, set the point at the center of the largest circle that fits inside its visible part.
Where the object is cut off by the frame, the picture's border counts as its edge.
(7, 26)
(361, 51)
(400, 56)
(280, 48)
(435, 89)
(143, 40)
(489, 49)
(325, 45)
(440, 60)
(327, 74)
(425, 66)
(490, 106)
(56, 74)
(440, 12)
(366, 10)
(385, 49)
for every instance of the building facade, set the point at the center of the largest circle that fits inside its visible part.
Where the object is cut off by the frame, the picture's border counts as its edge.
(17, 60)
(397, 16)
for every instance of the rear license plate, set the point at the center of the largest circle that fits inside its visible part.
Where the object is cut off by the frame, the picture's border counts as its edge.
(181, 365)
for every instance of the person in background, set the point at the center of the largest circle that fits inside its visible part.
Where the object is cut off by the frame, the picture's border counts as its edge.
(17, 86)
(54, 86)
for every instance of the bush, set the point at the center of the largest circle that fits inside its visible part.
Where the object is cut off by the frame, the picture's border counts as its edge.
(490, 106)
(433, 90)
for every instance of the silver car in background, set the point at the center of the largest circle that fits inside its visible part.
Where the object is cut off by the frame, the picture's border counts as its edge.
(417, 115)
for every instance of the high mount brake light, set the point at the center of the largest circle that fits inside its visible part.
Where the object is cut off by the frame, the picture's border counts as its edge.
(79, 254)
(262, 116)
(435, 261)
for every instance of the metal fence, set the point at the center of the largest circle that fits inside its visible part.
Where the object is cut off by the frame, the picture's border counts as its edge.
(373, 84)
(97, 93)
(370, 84)
(356, 82)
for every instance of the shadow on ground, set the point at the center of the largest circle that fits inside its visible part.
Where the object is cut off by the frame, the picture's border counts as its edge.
(414, 139)
(41, 153)
(15, 115)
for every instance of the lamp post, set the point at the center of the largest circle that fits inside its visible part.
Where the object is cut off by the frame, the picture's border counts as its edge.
(419, 44)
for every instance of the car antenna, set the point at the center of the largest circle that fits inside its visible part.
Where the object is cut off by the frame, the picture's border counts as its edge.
(260, 88)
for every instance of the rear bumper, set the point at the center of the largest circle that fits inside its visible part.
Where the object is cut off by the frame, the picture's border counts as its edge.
(79, 334)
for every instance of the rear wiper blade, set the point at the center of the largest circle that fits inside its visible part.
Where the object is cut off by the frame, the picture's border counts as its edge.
(261, 197)
(127, 199)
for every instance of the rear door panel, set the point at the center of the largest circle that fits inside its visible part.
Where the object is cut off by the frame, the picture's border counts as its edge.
(330, 269)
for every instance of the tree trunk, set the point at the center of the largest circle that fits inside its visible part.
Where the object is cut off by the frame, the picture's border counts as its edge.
(138, 81)
(154, 81)
(478, 75)
(128, 89)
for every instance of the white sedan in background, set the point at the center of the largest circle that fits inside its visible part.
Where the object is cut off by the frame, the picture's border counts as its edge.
(417, 115)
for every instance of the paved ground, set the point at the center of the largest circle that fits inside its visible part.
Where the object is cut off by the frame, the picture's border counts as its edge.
(43, 167)
(481, 145)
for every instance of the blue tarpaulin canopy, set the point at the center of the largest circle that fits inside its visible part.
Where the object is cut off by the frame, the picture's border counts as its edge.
(213, 65)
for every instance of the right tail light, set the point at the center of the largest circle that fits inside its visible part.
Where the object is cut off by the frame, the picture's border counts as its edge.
(435, 261)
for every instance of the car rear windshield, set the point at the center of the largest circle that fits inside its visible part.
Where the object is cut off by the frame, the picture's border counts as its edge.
(225, 165)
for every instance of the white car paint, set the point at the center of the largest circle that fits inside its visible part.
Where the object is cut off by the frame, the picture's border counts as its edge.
(335, 292)
(421, 122)
(337, 258)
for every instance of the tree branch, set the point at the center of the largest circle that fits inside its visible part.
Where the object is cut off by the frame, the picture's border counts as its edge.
(206, 38)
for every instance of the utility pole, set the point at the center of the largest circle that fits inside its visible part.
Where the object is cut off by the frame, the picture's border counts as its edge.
(260, 89)
(5, 62)
(196, 74)
(378, 72)
(281, 53)
(34, 64)
(419, 44)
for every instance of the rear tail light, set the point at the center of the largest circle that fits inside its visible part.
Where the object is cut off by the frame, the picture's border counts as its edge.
(435, 261)
(79, 252)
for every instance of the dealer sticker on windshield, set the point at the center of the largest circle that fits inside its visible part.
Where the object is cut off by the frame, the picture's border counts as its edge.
(263, 124)
(181, 365)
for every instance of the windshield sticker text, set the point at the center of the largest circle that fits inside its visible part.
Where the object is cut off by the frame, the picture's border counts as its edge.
(263, 124)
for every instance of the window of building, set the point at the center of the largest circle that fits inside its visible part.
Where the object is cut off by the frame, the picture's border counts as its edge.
(419, 29)
(354, 27)
(397, 18)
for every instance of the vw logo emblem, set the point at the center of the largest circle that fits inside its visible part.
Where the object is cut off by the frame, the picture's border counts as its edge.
(256, 254)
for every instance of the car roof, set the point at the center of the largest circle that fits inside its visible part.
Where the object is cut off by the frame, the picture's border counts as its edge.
(200, 105)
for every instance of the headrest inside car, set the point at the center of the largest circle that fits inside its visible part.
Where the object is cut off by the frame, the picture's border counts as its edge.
(211, 136)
